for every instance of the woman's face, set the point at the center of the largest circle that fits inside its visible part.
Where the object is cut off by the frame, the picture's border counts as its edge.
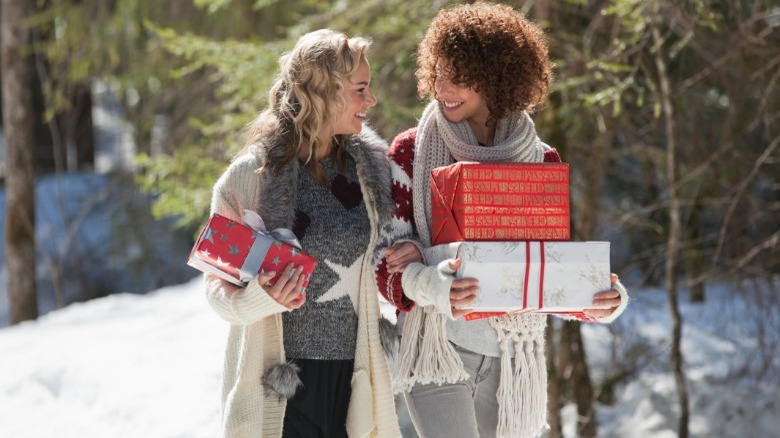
(359, 100)
(457, 102)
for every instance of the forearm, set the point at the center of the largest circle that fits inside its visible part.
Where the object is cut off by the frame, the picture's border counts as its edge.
(240, 305)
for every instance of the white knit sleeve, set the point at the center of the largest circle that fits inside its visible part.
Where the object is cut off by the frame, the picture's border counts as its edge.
(429, 285)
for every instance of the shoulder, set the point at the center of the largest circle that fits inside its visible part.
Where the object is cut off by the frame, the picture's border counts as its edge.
(243, 174)
(242, 167)
(403, 140)
(401, 150)
(551, 156)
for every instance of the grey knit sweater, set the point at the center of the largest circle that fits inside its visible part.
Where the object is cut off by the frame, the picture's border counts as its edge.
(332, 225)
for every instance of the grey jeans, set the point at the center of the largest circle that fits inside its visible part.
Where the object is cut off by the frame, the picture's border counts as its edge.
(466, 409)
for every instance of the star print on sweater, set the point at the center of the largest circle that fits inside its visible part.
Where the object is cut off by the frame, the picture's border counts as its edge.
(348, 284)
(332, 225)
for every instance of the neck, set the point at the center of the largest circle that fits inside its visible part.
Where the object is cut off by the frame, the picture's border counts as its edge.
(304, 153)
(483, 132)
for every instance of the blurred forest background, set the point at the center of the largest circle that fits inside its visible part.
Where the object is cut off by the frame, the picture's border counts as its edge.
(667, 111)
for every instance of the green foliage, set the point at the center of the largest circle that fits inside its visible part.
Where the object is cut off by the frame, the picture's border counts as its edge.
(206, 65)
(183, 183)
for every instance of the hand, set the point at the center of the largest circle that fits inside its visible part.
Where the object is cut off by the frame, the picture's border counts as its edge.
(288, 289)
(606, 302)
(400, 255)
(462, 293)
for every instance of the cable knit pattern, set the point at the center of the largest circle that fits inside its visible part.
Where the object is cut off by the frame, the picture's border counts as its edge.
(255, 339)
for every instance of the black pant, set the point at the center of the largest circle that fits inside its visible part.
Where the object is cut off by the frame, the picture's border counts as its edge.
(319, 408)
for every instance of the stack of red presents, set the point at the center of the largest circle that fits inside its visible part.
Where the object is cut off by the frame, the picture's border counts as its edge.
(510, 226)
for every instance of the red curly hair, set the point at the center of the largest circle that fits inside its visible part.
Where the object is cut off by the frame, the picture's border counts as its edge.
(492, 49)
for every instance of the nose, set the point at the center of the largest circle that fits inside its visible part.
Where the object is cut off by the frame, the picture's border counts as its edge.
(442, 86)
(370, 99)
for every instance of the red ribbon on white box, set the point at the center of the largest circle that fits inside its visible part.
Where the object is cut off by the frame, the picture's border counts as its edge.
(534, 276)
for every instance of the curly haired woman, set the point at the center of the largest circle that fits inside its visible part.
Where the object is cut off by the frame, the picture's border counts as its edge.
(311, 165)
(483, 66)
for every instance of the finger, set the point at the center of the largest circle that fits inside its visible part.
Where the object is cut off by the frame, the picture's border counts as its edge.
(613, 278)
(463, 302)
(265, 277)
(605, 295)
(455, 265)
(462, 294)
(457, 313)
(389, 251)
(463, 283)
(278, 288)
(606, 304)
(401, 264)
(298, 302)
(294, 284)
(598, 313)
(398, 250)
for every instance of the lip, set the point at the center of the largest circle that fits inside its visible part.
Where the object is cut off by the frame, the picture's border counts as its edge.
(450, 106)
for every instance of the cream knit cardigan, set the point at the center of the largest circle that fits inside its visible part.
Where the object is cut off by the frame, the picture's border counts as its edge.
(255, 342)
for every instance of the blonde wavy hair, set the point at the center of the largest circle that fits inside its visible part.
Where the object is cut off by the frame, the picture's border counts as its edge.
(307, 99)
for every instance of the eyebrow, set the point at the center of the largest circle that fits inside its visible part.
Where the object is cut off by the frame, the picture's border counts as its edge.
(360, 83)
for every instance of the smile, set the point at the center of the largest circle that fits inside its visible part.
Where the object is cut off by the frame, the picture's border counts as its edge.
(451, 105)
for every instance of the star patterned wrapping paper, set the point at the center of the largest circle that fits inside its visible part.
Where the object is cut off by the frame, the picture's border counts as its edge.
(530, 276)
(237, 253)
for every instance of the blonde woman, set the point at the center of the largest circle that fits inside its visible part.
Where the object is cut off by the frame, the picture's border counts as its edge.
(309, 363)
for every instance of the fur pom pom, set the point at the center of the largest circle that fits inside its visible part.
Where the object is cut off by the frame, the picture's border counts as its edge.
(282, 379)
(389, 337)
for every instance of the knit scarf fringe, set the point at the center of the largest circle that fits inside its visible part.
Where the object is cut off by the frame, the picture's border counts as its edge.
(522, 390)
(426, 355)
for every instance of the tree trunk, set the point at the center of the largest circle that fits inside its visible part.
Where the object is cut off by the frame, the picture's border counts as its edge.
(79, 132)
(18, 118)
(672, 250)
(583, 389)
(694, 258)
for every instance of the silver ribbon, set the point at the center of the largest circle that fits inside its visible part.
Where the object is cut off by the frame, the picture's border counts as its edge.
(260, 246)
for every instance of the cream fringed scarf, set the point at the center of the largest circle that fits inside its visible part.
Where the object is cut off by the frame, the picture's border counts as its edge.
(426, 355)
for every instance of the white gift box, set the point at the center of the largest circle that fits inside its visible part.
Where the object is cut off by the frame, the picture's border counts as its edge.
(530, 276)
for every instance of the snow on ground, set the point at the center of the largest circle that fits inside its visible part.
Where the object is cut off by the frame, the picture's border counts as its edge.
(149, 366)
(122, 366)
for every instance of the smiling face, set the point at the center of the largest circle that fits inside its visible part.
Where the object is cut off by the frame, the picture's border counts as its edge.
(358, 100)
(459, 102)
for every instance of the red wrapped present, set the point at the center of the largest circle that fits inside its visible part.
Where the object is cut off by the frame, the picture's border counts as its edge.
(500, 202)
(237, 252)
(530, 276)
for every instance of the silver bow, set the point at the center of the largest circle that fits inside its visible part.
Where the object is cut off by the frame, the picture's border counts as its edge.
(260, 247)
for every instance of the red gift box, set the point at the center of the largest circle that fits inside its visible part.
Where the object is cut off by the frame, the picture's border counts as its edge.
(237, 253)
(500, 202)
